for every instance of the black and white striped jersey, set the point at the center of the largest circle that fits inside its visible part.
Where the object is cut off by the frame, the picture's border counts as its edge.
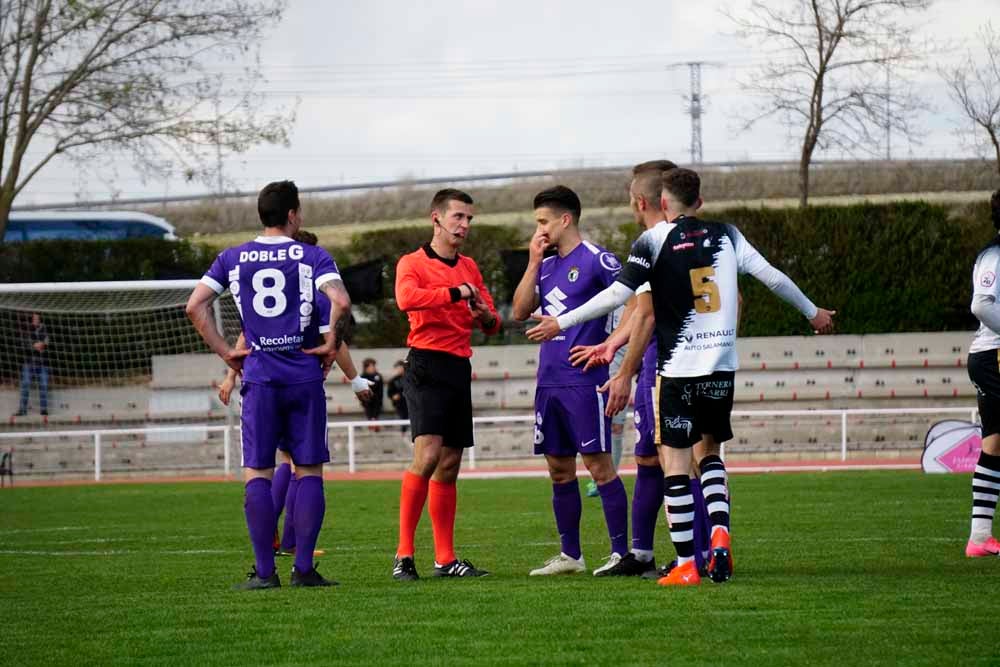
(692, 267)
(986, 289)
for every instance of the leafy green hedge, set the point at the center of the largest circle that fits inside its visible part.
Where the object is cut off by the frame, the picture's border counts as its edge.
(135, 259)
(885, 268)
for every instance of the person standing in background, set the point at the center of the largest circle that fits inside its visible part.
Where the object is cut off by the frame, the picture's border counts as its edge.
(35, 365)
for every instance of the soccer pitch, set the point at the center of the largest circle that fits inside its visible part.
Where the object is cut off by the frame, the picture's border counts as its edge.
(831, 568)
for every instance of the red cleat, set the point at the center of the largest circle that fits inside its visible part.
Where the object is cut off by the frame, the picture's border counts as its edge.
(682, 575)
(720, 567)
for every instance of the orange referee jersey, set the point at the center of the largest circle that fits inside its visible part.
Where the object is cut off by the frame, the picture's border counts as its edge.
(426, 290)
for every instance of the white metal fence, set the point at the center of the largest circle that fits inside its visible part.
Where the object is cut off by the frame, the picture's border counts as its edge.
(98, 435)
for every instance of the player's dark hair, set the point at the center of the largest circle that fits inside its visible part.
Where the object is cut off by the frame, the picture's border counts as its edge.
(442, 197)
(656, 166)
(399, 364)
(304, 236)
(995, 210)
(683, 184)
(367, 361)
(560, 198)
(275, 201)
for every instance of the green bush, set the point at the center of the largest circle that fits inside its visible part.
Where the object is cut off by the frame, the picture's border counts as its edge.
(74, 261)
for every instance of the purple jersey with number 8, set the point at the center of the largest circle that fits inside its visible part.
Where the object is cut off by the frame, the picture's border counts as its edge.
(274, 282)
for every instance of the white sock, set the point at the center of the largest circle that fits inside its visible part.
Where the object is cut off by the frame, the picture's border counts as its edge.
(643, 555)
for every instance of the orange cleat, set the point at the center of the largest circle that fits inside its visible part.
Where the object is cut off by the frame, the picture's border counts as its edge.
(682, 575)
(720, 567)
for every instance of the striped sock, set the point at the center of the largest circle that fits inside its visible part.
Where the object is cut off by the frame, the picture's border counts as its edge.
(985, 489)
(715, 486)
(679, 506)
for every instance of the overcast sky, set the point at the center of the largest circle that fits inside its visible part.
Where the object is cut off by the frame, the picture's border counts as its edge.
(388, 89)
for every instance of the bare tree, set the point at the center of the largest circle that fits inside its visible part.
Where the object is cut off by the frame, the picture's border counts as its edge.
(826, 68)
(168, 82)
(975, 87)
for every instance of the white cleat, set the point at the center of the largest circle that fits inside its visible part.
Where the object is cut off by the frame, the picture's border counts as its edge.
(609, 566)
(561, 564)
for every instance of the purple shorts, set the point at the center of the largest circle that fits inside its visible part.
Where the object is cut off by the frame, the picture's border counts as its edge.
(645, 420)
(290, 416)
(570, 420)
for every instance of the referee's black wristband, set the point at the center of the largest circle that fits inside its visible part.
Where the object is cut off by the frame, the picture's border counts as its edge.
(455, 293)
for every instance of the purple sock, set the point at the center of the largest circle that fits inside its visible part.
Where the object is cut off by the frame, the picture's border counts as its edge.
(259, 511)
(568, 508)
(310, 506)
(646, 501)
(615, 502)
(288, 533)
(279, 488)
(702, 526)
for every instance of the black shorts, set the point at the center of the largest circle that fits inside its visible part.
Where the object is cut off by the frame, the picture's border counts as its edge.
(984, 371)
(437, 387)
(687, 408)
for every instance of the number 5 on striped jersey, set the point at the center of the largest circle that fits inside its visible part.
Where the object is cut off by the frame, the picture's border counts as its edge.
(705, 290)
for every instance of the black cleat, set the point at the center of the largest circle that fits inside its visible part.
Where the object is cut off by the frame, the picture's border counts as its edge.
(310, 579)
(720, 567)
(658, 573)
(458, 568)
(255, 583)
(404, 569)
(624, 566)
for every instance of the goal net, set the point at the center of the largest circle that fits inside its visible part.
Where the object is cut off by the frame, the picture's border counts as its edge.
(106, 355)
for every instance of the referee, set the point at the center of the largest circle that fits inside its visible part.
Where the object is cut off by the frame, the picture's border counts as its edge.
(443, 294)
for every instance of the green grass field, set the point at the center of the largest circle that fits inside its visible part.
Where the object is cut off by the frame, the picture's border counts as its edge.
(834, 568)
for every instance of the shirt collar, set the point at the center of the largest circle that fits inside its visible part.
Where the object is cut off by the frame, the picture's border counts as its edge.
(273, 240)
(433, 255)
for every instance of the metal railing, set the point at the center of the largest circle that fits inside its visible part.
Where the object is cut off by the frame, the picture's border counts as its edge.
(98, 435)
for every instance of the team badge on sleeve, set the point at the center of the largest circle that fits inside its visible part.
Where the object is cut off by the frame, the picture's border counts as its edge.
(988, 279)
(610, 262)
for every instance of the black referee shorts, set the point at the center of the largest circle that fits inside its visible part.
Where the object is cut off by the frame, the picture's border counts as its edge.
(438, 391)
(687, 408)
(984, 371)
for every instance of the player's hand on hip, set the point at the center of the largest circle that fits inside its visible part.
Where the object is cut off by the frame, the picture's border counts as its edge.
(546, 329)
(327, 349)
(823, 322)
(234, 358)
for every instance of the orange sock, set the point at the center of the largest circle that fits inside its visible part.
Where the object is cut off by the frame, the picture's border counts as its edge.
(412, 496)
(443, 500)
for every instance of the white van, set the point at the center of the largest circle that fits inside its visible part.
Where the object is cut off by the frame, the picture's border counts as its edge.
(86, 226)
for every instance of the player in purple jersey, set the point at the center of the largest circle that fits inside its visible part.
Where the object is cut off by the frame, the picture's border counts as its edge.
(284, 485)
(569, 411)
(274, 280)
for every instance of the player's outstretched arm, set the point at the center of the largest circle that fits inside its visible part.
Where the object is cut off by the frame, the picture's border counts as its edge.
(199, 311)
(749, 260)
(526, 300)
(603, 353)
(548, 327)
